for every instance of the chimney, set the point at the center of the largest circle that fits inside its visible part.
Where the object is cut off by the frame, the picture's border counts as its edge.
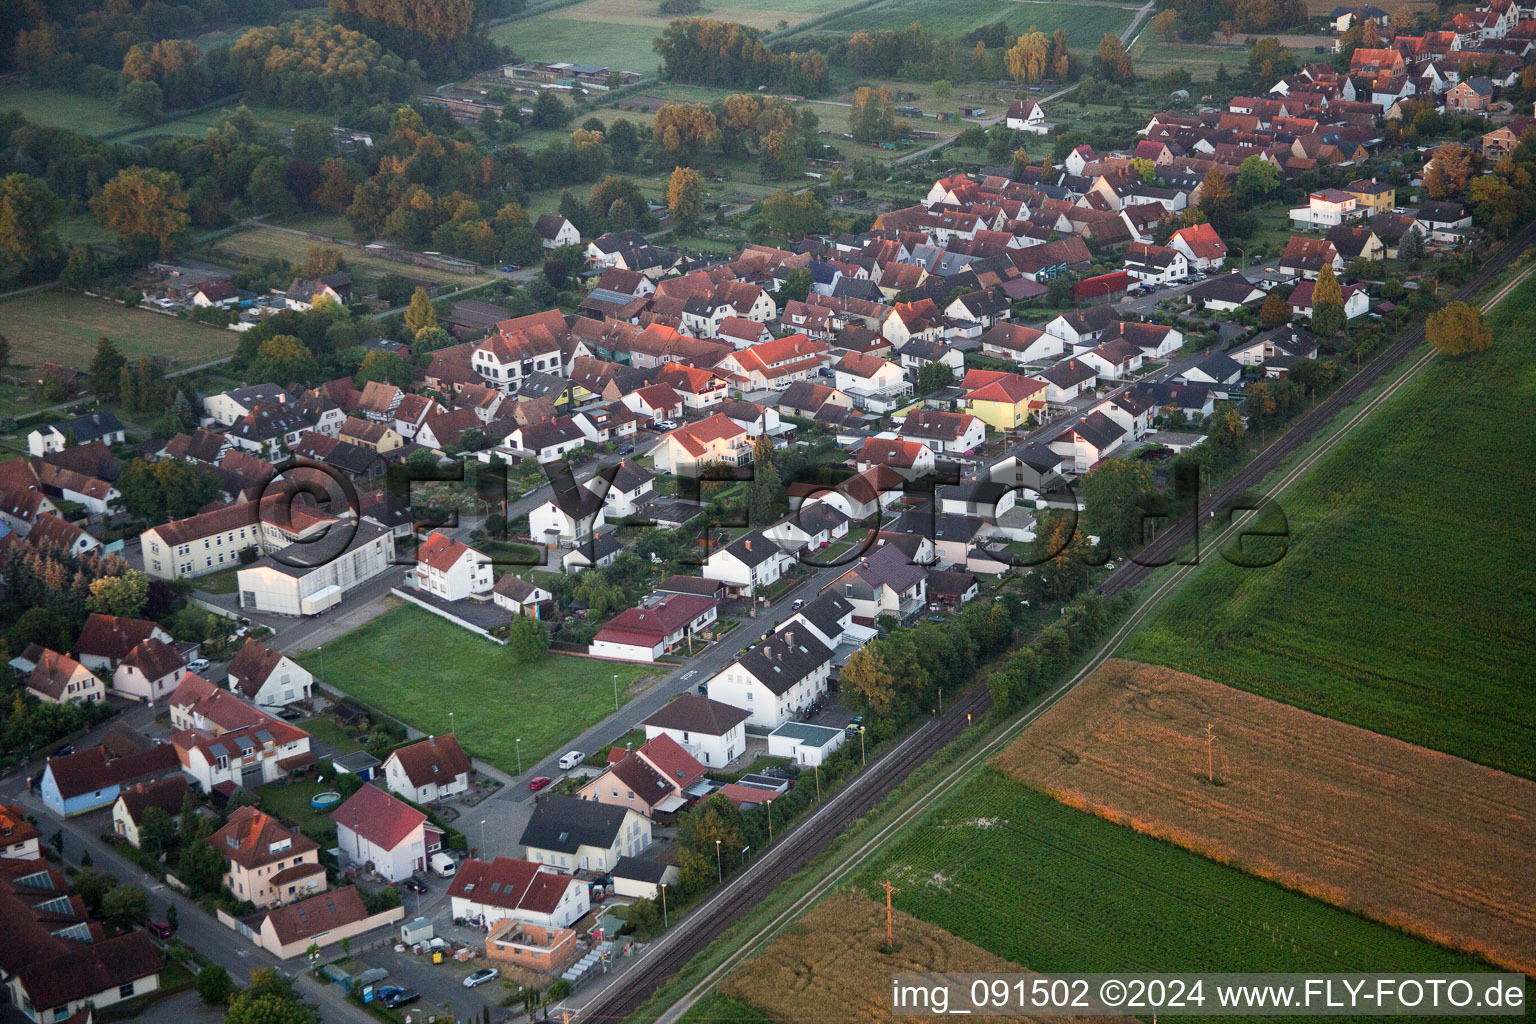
(748, 545)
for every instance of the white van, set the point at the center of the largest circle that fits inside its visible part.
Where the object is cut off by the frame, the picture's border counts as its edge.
(443, 865)
(571, 759)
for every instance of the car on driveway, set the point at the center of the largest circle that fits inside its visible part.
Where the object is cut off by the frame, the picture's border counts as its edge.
(290, 714)
(481, 976)
(538, 782)
(415, 885)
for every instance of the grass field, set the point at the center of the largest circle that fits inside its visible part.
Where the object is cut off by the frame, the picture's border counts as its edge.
(195, 126)
(262, 242)
(62, 109)
(1154, 57)
(441, 678)
(833, 965)
(1056, 889)
(1302, 800)
(1405, 600)
(65, 326)
(1085, 23)
(290, 802)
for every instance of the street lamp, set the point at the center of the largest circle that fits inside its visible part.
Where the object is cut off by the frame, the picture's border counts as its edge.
(615, 691)
(719, 871)
(321, 651)
(483, 847)
(519, 746)
(770, 822)
(664, 924)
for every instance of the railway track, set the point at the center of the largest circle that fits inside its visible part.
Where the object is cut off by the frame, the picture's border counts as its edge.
(1163, 548)
(794, 847)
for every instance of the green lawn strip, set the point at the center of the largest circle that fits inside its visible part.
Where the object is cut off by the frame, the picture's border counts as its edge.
(714, 1008)
(441, 678)
(1057, 889)
(326, 730)
(1085, 25)
(289, 801)
(1402, 602)
(225, 582)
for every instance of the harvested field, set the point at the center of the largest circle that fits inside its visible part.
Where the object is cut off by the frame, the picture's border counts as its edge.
(831, 965)
(1430, 843)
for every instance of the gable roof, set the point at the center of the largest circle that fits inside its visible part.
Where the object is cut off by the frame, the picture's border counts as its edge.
(511, 884)
(378, 816)
(434, 759)
(695, 713)
(248, 838)
(564, 824)
(785, 658)
(316, 915)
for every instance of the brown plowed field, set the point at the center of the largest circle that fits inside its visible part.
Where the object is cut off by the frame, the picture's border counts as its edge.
(1423, 841)
(830, 966)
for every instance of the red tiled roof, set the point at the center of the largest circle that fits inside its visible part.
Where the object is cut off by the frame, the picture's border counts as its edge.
(385, 821)
(437, 759)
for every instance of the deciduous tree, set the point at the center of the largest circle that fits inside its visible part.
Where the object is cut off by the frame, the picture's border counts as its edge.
(1458, 330)
(1114, 64)
(145, 208)
(685, 199)
(420, 315)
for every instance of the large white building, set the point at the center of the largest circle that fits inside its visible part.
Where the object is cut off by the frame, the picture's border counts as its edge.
(713, 732)
(775, 680)
(373, 827)
(309, 578)
(201, 544)
(452, 570)
(485, 892)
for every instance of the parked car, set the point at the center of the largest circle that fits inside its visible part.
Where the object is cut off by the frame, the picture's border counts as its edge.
(570, 759)
(159, 929)
(510, 268)
(627, 449)
(537, 783)
(415, 885)
(481, 976)
(402, 997)
(290, 714)
(443, 865)
(198, 665)
(799, 603)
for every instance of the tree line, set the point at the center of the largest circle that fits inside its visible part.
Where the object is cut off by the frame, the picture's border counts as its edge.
(704, 51)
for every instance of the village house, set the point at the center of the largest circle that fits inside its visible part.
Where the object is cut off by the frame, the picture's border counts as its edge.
(651, 630)
(1084, 442)
(709, 730)
(152, 670)
(583, 835)
(945, 432)
(59, 679)
(487, 892)
(694, 448)
(265, 862)
(777, 679)
(268, 678)
(165, 795)
(885, 582)
(450, 569)
(428, 770)
(382, 832)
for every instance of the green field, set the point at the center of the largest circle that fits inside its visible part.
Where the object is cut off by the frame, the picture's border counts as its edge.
(1153, 57)
(1060, 890)
(441, 678)
(1405, 602)
(1086, 24)
(62, 109)
(262, 242)
(65, 326)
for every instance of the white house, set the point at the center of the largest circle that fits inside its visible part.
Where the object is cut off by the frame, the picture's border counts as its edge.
(268, 678)
(250, 756)
(554, 231)
(748, 564)
(805, 744)
(93, 426)
(777, 679)
(873, 383)
(452, 570)
(1022, 344)
(520, 597)
(203, 543)
(583, 835)
(623, 488)
(1086, 440)
(151, 671)
(651, 630)
(485, 892)
(884, 582)
(1155, 264)
(573, 513)
(952, 433)
(375, 828)
(310, 578)
(1026, 116)
(1327, 208)
(711, 731)
(428, 770)
(1356, 302)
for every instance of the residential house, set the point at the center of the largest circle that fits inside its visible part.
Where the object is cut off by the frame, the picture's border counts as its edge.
(1201, 245)
(1216, 370)
(18, 836)
(486, 892)
(1327, 208)
(520, 597)
(1004, 401)
(1021, 344)
(292, 929)
(451, 570)
(555, 231)
(884, 582)
(1087, 440)
(59, 679)
(872, 383)
(1372, 197)
(570, 515)
(1067, 380)
(248, 757)
(1356, 302)
(582, 835)
(1226, 293)
(952, 433)
(694, 449)
(1305, 258)
(775, 365)
(1157, 265)
(1470, 95)
(1026, 116)
(152, 670)
(652, 629)
(623, 488)
(1154, 340)
(428, 770)
(913, 460)
(268, 678)
(709, 730)
(1356, 243)
(1080, 328)
(93, 426)
(1277, 350)
(382, 832)
(777, 679)
(166, 795)
(1116, 359)
(747, 565)
(266, 863)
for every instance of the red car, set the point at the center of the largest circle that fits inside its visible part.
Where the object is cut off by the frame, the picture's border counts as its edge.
(538, 782)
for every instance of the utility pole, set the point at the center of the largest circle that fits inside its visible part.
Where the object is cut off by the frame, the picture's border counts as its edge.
(1210, 762)
(890, 935)
(863, 760)
(719, 871)
(817, 769)
(664, 925)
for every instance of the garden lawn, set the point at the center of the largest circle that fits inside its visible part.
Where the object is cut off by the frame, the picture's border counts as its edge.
(1060, 890)
(441, 678)
(65, 326)
(263, 242)
(289, 801)
(57, 108)
(1405, 600)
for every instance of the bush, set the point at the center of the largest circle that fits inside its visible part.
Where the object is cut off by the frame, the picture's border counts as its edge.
(214, 985)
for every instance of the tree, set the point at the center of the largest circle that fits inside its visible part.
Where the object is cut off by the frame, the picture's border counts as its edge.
(1113, 63)
(124, 907)
(1215, 193)
(106, 368)
(1020, 168)
(872, 118)
(269, 999)
(1410, 249)
(1458, 330)
(420, 315)
(1275, 310)
(527, 639)
(145, 208)
(1118, 496)
(214, 986)
(1450, 168)
(123, 595)
(868, 675)
(1060, 556)
(388, 367)
(685, 199)
(791, 215)
(93, 887)
(283, 359)
(685, 130)
(200, 866)
(796, 286)
(1028, 57)
(1328, 317)
(943, 89)
(1257, 180)
(1166, 25)
(28, 210)
(142, 101)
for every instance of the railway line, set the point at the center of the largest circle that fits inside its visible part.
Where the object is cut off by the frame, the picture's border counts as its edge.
(794, 847)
